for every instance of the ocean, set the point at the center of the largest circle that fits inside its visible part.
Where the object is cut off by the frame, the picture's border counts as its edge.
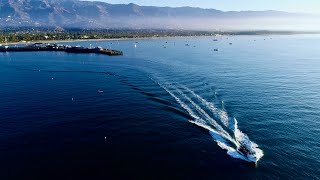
(169, 108)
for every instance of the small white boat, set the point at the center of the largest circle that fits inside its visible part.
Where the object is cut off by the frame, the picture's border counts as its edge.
(248, 153)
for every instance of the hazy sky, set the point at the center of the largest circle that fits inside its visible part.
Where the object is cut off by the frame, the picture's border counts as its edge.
(306, 6)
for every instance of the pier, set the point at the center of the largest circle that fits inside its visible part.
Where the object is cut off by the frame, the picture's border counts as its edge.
(59, 47)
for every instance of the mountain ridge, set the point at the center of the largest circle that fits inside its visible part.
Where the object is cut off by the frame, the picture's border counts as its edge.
(95, 14)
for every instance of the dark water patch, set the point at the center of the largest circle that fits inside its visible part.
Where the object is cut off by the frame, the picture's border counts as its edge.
(177, 111)
(160, 100)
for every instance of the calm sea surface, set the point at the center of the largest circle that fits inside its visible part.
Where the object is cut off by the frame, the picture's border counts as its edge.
(167, 109)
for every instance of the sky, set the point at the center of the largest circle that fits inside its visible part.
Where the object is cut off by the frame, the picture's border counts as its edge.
(305, 6)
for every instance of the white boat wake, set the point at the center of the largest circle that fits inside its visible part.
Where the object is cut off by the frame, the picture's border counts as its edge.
(223, 128)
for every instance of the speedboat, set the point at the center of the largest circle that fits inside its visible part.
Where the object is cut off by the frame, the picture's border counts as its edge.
(248, 153)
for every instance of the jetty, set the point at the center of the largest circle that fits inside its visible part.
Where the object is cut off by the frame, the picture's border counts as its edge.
(59, 47)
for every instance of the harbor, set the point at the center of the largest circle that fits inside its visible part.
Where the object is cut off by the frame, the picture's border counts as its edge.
(59, 47)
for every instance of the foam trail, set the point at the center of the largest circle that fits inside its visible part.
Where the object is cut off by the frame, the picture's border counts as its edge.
(239, 136)
(232, 142)
(223, 116)
(192, 113)
(183, 105)
(211, 120)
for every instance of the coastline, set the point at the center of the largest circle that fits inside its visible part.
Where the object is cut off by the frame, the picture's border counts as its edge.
(141, 38)
(61, 41)
(105, 39)
(15, 37)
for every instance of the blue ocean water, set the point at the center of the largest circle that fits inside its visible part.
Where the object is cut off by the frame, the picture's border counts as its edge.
(167, 109)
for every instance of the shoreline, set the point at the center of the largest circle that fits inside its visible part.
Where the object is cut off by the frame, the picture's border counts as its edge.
(137, 38)
(59, 41)
(104, 39)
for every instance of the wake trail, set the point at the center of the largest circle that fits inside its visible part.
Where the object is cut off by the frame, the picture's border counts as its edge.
(201, 118)
(183, 105)
(206, 122)
(219, 134)
(222, 115)
(209, 119)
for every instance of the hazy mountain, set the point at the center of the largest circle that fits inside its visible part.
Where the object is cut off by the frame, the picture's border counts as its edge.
(88, 14)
